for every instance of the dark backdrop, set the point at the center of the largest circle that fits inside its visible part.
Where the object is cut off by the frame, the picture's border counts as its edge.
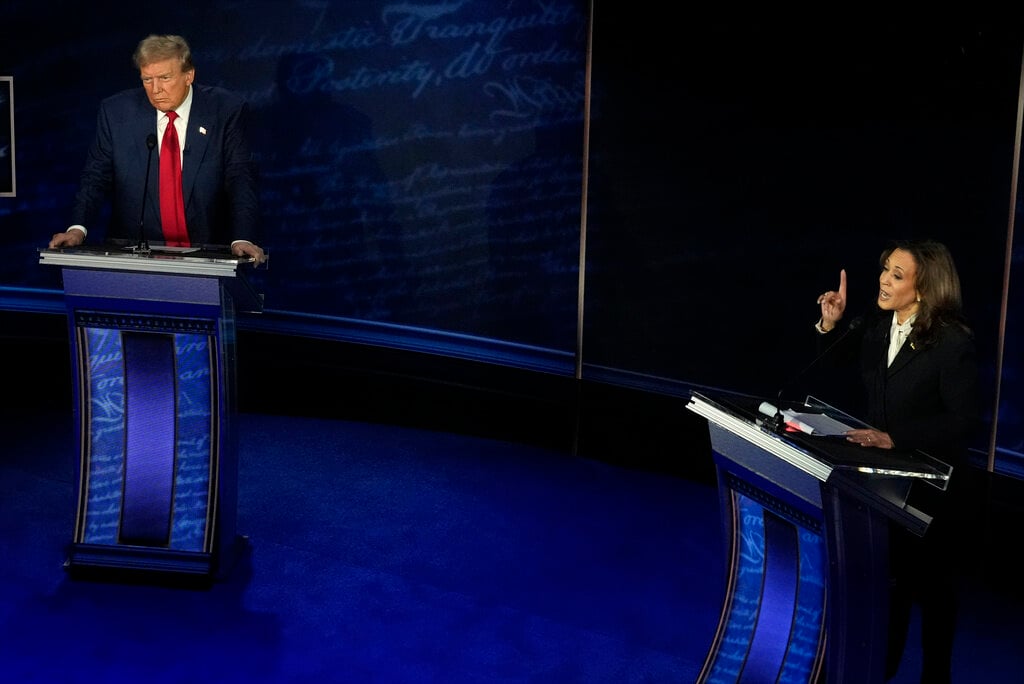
(425, 168)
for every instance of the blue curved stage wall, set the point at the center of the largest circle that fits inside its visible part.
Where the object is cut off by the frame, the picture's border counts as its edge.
(420, 162)
(425, 168)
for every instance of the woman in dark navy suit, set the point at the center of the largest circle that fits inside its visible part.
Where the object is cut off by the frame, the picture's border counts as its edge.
(918, 365)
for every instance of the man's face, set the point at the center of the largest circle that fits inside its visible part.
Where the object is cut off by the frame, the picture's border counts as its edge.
(166, 84)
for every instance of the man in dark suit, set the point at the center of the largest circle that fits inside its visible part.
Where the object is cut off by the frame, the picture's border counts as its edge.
(217, 171)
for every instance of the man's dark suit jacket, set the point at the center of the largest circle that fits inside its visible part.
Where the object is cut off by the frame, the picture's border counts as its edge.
(218, 172)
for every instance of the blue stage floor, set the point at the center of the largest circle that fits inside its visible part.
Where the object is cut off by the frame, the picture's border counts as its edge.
(386, 554)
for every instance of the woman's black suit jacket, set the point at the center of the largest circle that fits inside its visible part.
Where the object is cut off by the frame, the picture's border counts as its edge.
(928, 398)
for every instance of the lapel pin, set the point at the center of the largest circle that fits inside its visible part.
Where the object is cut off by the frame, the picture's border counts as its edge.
(202, 130)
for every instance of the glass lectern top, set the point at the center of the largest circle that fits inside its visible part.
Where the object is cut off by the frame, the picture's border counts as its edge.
(211, 260)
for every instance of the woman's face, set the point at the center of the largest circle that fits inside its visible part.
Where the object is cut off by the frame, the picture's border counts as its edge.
(897, 285)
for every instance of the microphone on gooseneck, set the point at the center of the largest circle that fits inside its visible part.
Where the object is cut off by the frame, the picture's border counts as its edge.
(143, 245)
(854, 324)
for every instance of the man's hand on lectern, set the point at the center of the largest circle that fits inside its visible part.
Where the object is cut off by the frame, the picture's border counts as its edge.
(69, 238)
(248, 249)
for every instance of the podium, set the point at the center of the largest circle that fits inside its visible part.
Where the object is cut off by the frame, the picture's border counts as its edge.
(153, 363)
(807, 521)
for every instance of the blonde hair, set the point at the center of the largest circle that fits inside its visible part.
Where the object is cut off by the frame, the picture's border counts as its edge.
(157, 48)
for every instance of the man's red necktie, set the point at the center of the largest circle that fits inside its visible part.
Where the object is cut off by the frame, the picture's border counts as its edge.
(172, 204)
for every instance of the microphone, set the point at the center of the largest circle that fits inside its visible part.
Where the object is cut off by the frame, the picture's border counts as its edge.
(778, 421)
(143, 245)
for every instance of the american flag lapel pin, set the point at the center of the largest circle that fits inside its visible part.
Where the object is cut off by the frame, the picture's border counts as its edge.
(202, 130)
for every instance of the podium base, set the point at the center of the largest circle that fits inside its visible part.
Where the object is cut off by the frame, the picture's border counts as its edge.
(142, 565)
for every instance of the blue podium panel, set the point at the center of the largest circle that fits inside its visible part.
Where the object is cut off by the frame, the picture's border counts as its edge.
(806, 525)
(773, 620)
(153, 359)
(149, 394)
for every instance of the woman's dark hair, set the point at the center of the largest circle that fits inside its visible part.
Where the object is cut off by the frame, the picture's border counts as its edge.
(938, 284)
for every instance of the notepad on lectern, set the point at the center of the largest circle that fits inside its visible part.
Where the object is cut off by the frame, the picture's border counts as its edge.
(815, 423)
